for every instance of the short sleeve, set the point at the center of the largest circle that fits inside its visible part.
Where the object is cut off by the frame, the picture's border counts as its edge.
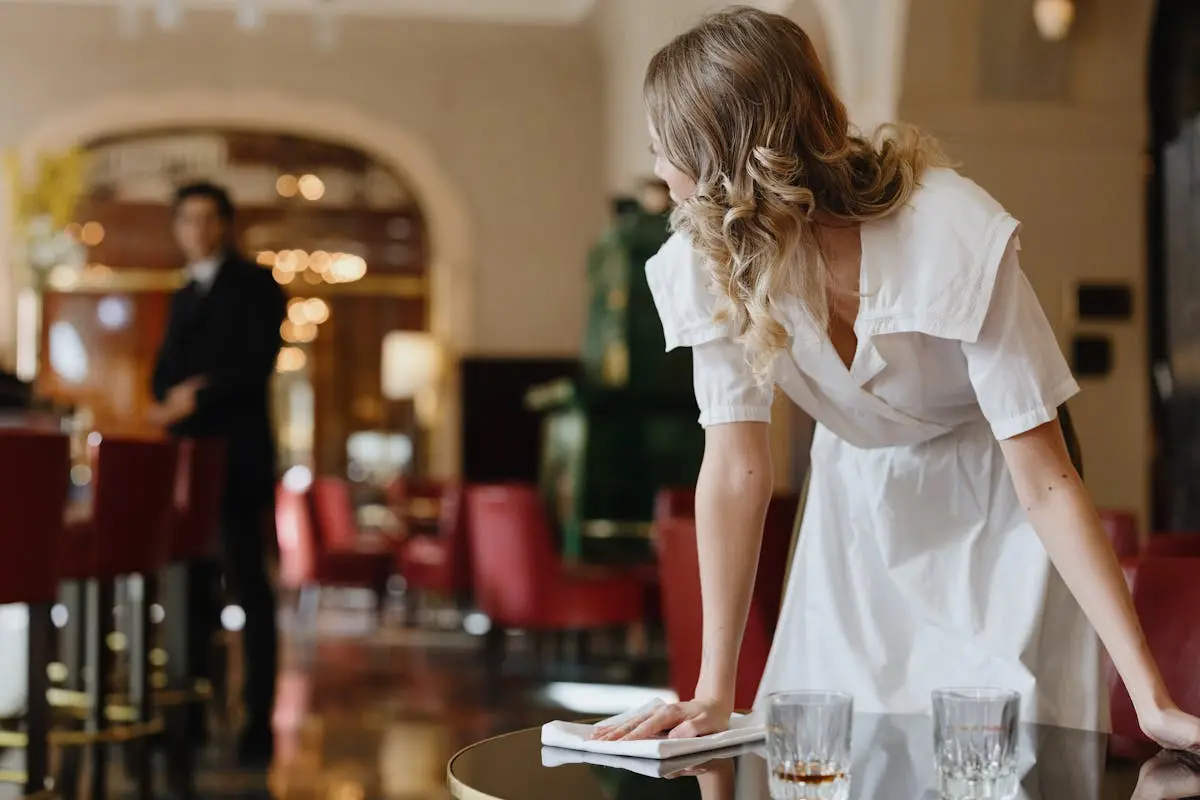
(679, 283)
(726, 390)
(1016, 368)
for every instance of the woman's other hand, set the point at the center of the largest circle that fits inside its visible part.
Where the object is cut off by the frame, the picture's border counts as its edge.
(1171, 728)
(673, 721)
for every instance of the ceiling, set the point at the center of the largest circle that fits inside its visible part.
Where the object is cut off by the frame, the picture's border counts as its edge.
(553, 12)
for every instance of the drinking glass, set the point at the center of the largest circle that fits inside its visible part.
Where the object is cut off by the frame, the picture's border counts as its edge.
(808, 745)
(975, 743)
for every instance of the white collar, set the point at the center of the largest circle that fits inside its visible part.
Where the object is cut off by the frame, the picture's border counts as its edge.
(204, 272)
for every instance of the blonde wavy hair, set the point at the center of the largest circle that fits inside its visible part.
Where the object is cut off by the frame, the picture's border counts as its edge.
(741, 104)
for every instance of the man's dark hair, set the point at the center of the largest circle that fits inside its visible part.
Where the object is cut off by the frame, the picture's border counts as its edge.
(211, 191)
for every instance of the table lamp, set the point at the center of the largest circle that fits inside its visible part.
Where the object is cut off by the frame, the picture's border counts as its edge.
(411, 369)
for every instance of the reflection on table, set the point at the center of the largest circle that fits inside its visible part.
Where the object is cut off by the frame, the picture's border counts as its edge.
(893, 758)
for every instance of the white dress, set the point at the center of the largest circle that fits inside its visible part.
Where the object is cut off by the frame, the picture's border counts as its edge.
(916, 567)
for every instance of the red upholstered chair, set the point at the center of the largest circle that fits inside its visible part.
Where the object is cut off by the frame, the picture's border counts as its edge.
(675, 502)
(297, 540)
(34, 467)
(417, 502)
(441, 563)
(680, 581)
(319, 543)
(1166, 594)
(1172, 545)
(1122, 530)
(520, 581)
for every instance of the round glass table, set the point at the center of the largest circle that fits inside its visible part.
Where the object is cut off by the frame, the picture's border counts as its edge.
(893, 758)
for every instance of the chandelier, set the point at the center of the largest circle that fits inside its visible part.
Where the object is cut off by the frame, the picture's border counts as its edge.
(250, 15)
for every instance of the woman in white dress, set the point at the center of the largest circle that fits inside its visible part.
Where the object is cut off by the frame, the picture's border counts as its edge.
(947, 539)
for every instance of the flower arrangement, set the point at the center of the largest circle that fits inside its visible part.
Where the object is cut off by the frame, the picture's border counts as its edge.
(43, 209)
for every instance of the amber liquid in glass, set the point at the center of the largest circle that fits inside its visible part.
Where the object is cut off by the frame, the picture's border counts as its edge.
(809, 774)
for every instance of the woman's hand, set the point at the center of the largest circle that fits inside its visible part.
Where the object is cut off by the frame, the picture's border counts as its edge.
(1168, 776)
(1171, 728)
(673, 721)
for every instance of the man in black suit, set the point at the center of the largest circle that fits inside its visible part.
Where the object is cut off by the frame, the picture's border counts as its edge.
(212, 379)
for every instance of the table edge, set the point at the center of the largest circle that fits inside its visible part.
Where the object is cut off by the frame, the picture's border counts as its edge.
(460, 790)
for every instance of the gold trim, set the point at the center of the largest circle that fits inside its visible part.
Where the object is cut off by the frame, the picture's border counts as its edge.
(460, 790)
(617, 529)
(63, 738)
(13, 776)
(104, 280)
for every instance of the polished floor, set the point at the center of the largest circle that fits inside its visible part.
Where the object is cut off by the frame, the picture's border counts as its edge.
(369, 712)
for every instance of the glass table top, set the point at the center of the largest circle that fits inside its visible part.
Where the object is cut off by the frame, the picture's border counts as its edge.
(893, 758)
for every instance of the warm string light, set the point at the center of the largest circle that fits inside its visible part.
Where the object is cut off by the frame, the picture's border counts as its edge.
(291, 359)
(316, 267)
(304, 315)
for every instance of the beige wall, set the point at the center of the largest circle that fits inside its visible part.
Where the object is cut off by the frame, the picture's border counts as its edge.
(1071, 169)
(628, 33)
(512, 114)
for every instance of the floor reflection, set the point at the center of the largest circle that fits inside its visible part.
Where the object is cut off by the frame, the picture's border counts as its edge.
(368, 713)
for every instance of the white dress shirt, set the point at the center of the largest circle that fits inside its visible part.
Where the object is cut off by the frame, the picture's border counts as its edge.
(204, 272)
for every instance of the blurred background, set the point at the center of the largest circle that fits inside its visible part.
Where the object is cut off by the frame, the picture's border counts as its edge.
(455, 196)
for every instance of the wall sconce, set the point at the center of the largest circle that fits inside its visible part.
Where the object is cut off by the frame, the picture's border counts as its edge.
(1054, 18)
(412, 367)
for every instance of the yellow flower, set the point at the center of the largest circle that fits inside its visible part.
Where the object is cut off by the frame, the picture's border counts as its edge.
(55, 192)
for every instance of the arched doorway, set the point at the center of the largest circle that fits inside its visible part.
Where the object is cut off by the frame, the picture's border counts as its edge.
(339, 230)
(1173, 280)
(450, 252)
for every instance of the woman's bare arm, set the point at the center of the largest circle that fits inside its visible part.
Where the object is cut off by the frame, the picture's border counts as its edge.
(1060, 510)
(732, 495)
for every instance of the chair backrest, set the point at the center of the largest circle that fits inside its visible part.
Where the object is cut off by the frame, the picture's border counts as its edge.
(512, 552)
(1122, 530)
(134, 503)
(296, 537)
(452, 525)
(35, 471)
(679, 571)
(199, 489)
(333, 514)
(1172, 545)
(1166, 594)
(674, 502)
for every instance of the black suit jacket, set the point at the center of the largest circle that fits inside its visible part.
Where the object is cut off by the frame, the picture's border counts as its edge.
(229, 336)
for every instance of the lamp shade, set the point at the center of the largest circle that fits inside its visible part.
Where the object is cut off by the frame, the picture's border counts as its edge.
(412, 363)
(1054, 18)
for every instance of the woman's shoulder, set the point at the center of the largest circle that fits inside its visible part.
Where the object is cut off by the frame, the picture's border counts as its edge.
(933, 262)
(949, 199)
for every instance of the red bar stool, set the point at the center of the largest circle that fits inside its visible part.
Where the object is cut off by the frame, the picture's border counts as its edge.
(127, 534)
(34, 470)
(195, 521)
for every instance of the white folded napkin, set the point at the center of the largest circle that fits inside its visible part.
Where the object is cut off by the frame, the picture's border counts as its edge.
(650, 767)
(576, 736)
